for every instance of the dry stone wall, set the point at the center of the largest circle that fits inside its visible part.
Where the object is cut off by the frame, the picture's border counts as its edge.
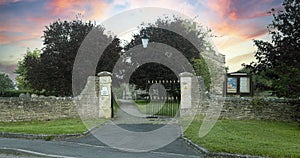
(50, 108)
(32, 107)
(257, 109)
(28, 109)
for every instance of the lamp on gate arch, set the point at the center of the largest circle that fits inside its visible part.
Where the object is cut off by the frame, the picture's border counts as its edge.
(145, 40)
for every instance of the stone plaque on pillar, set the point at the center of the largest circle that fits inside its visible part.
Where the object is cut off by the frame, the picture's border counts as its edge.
(105, 94)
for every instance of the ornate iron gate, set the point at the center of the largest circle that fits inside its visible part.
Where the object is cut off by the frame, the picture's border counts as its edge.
(163, 104)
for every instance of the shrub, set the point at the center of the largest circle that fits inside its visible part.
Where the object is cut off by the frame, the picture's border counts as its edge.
(13, 93)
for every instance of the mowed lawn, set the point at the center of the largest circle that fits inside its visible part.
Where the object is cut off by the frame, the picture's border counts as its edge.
(252, 137)
(61, 126)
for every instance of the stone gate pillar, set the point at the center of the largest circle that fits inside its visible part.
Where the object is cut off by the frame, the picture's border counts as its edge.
(186, 93)
(105, 94)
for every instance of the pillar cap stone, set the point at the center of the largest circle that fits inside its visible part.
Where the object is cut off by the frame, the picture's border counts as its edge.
(186, 74)
(104, 73)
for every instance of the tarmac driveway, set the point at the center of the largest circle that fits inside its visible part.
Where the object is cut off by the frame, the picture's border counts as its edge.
(127, 136)
(91, 147)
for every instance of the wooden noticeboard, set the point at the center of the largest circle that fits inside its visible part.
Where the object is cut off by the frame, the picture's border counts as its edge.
(239, 84)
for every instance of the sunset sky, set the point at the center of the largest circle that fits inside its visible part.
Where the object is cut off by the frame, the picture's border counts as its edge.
(235, 22)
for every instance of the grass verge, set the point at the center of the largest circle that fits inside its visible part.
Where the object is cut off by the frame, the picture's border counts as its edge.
(252, 137)
(60, 126)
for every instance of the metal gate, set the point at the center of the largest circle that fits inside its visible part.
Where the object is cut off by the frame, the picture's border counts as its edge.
(166, 105)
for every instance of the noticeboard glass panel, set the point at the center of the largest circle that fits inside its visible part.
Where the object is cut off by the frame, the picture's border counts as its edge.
(245, 85)
(231, 85)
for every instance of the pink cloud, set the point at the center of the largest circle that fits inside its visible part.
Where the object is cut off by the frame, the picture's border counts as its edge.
(220, 7)
(59, 7)
(15, 30)
(238, 10)
(31, 27)
(90, 9)
(239, 18)
(244, 31)
(7, 39)
(8, 1)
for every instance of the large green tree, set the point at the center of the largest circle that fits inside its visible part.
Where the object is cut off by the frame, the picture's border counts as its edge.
(279, 59)
(22, 70)
(163, 31)
(5, 83)
(52, 72)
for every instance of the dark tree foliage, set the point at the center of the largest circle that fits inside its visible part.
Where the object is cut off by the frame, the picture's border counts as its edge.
(160, 32)
(280, 58)
(260, 80)
(144, 74)
(52, 72)
(33, 71)
(110, 56)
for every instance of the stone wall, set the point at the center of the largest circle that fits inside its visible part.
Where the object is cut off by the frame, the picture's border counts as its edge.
(258, 109)
(87, 102)
(28, 109)
(49, 108)
(32, 107)
(216, 64)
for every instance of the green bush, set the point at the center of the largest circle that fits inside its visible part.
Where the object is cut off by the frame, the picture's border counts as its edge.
(13, 93)
(202, 70)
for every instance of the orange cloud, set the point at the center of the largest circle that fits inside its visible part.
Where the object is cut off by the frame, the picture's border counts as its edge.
(15, 30)
(6, 39)
(233, 15)
(24, 25)
(89, 9)
(30, 27)
(220, 7)
(246, 30)
(238, 10)
(239, 18)
(61, 6)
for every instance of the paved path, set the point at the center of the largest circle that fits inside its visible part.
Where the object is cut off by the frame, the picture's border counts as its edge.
(129, 114)
(125, 137)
